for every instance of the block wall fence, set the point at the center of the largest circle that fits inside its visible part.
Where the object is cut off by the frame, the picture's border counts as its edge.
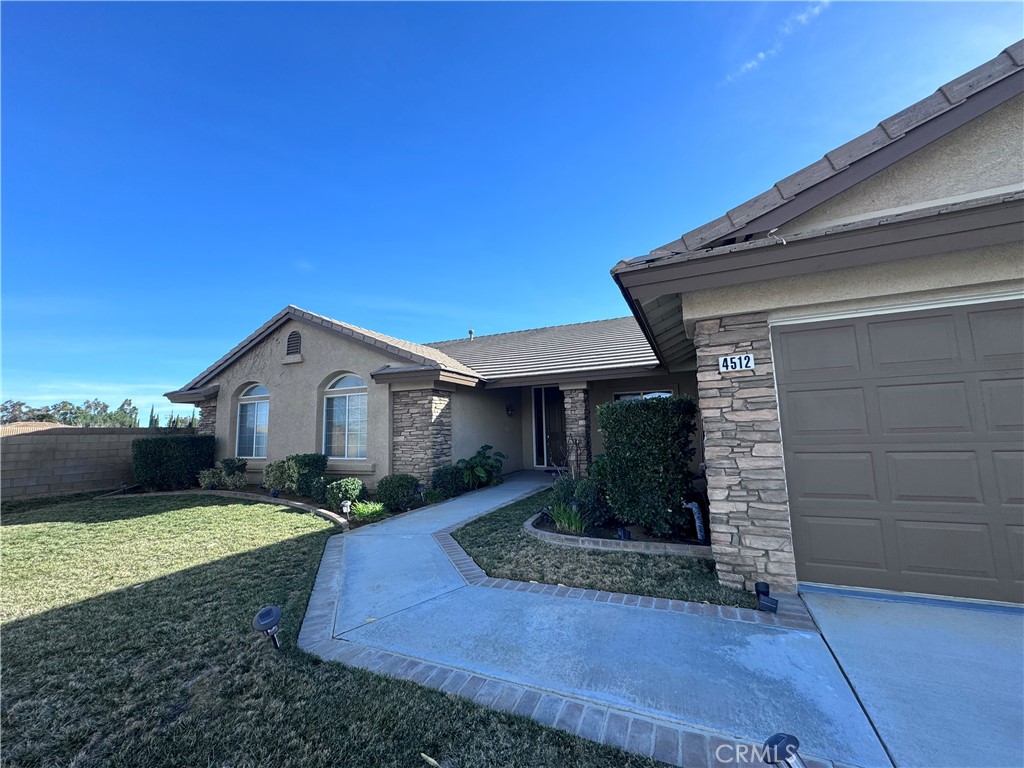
(69, 459)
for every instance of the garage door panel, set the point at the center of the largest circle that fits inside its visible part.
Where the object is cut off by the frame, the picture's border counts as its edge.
(827, 351)
(953, 549)
(906, 467)
(844, 541)
(1009, 467)
(1004, 404)
(922, 408)
(998, 334)
(936, 477)
(826, 476)
(906, 346)
(829, 412)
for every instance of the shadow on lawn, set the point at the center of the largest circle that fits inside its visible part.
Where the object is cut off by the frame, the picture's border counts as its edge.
(170, 672)
(84, 508)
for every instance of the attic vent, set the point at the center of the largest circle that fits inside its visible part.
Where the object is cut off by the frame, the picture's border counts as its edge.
(294, 346)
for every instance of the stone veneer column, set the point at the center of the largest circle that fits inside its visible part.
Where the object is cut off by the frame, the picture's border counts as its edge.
(577, 427)
(751, 534)
(421, 432)
(207, 417)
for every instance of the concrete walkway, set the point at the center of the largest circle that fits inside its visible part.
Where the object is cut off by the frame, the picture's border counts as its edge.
(655, 679)
(942, 680)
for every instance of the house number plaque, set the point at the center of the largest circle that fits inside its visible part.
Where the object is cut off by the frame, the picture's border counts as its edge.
(735, 363)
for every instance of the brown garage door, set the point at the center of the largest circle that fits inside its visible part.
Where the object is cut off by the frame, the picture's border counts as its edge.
(904, 446)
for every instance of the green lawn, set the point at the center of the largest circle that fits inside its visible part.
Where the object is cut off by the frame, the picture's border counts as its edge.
(127, 642)
(500, 546)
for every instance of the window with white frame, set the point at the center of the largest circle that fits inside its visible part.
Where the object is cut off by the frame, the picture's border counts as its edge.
(253, 417)
(345, 418)
(642, 395)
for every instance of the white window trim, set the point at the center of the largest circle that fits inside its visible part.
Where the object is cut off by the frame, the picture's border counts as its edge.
(617, 396)
(238, 424)
(346, 393)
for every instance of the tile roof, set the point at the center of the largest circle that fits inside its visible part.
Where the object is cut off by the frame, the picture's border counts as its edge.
(416, 353)
(950, 96)
(557, 350)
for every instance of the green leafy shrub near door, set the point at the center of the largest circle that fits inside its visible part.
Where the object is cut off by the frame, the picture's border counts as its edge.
(398, 492)
(648, 449)
(482, 468)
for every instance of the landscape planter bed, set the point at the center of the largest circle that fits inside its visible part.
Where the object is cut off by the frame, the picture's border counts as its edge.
(616, 545)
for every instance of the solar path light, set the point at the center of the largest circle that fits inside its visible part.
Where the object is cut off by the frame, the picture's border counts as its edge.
(268, 621)
(781, 749)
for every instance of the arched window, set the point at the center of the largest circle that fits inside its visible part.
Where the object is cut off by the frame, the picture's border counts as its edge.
(345, 418)
(253, 417)
(294, 345)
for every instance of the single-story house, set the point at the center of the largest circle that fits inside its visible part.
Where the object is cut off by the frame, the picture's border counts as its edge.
(377, 405)
(854, 337)
(858, 337)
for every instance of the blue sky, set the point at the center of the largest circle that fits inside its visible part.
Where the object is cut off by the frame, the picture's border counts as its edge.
(174, 174)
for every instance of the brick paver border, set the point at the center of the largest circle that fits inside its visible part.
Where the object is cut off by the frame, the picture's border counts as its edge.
(617, 545)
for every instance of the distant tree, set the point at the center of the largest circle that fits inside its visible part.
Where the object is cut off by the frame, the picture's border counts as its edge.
(13, 411)
(154, 420)
(92, 413)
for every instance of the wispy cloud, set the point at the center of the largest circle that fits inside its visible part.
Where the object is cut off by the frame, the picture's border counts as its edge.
(792, 24)
(303, 265)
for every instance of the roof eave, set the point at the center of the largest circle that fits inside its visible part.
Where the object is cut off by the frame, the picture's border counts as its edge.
(193, 396)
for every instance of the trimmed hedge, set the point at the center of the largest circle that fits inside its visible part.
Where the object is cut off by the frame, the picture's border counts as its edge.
(346, 489)
(305, 469)
(648, 448)
(171, 462)
(398, 492)
(449, 480)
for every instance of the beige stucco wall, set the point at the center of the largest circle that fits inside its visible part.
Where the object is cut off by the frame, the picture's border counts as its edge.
(296, 398)
(986, 153)
(479, 417)
(931, 278)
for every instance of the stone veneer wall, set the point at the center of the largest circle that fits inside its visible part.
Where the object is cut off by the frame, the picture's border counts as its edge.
(751, 533)
(577, 428)
(70, 459)
(421, 432)
(207, 417)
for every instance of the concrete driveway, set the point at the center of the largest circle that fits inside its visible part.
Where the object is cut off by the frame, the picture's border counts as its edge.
(942, 681)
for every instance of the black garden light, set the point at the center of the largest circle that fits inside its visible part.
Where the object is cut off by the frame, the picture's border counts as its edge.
(764, 602)
(781, 749)
(268, 621)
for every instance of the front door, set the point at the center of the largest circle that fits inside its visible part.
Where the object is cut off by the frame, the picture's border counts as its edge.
(549, 447)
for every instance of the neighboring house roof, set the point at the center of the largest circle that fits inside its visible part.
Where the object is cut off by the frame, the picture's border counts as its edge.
(420, 356)
(559, 350)
(23, 427)
(952, 105)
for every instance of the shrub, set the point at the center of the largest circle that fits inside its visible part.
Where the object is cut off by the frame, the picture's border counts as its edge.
(233, 466)
(398, 492)
(567, 519)
(368, 511)
(277, 475)
(210, 479)
(318, 490)
(304, 471)
(346, 489)
(590, 499)
(482, 468)
(648, 446)
(234, 482)
(435, 496)
(449, 481)
(564, 490)
(171, 462)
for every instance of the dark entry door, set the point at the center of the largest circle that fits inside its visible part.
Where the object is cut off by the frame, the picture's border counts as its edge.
(549, 447)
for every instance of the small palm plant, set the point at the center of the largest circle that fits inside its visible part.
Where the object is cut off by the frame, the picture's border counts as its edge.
(567, 519)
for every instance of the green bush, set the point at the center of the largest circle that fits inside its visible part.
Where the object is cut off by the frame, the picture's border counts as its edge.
(368, 511)
(305, 469)
(567, 519)
(210, 479)
(171, 462)
(233, 466)
(482, 468)
(346, 489)
(564, 490)
(449, 480)
(398, 492)
(435, 496)
(590, 499)
(277, 475)
(318, 490)
(234, 482)
(648, 446)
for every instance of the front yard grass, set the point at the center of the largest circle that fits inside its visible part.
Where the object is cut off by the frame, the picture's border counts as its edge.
(127, 642)
(499, 545)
